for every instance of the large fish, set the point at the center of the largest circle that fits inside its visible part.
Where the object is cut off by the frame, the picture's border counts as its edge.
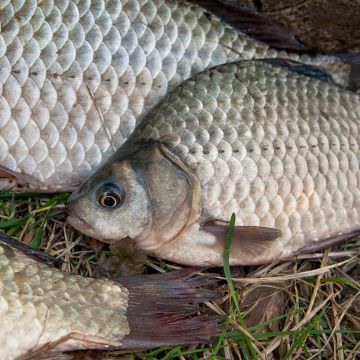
(44, 311)
(330, 26)
(77, 76)
(260, 139)
(320, 25)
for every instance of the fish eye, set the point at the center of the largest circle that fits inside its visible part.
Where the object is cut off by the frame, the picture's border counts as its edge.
(110, 196)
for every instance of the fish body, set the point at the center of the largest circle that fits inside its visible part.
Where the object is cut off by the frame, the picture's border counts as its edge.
(41, 305)
(46, 311)
(260, 139)
(77, 76)
(320, 24)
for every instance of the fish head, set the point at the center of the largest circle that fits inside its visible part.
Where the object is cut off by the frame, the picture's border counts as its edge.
(112, 204)
(145, 194)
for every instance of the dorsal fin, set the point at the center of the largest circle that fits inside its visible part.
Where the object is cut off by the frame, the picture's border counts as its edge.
(254, 24)
(300, 68)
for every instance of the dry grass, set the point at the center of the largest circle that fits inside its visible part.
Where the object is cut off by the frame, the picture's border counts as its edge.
(308, 308)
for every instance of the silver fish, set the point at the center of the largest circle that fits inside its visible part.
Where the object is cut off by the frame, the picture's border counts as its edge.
(44, 311)
(77, 76)
(260, 139)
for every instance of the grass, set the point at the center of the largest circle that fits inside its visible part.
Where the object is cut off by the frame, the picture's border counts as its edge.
(308, 308)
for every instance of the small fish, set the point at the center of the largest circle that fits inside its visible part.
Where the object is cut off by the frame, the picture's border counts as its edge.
(77, 76)
(44, 311)
(272, 141)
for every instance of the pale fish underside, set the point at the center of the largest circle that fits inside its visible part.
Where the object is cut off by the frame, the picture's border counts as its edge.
(77, 76)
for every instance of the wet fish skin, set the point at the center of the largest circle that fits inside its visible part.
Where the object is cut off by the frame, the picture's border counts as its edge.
(276, 147)
(76, 77)
(40, 305)
(46, 311)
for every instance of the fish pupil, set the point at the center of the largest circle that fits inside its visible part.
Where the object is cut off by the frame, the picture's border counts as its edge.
(109, 199)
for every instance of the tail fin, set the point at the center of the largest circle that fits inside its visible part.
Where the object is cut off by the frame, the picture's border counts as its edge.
(161, 308)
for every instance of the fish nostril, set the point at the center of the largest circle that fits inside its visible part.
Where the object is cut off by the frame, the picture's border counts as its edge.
(69, 206)
(72, 200)
(80, 191)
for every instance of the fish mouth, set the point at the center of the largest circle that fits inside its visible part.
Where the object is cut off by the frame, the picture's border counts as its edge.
(80, 224)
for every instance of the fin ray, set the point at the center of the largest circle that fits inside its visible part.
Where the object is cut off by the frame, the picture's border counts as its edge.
(250, 243)
(254, 24)
(331, 241)
(161, 308)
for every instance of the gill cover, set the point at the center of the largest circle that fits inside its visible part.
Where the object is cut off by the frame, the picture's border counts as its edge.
(173, 193)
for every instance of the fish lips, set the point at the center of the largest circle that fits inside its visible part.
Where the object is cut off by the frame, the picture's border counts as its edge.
(80, 224)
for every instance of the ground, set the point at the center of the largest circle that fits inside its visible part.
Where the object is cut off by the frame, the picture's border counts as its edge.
(307, 308)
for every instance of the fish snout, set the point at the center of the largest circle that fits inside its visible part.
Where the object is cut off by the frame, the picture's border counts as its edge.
(78, 222)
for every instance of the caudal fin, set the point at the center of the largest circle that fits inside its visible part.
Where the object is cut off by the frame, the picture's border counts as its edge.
(162, 309)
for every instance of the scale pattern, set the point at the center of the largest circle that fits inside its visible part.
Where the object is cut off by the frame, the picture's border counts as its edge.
(39, 304)
(279, 149)
(76, 76)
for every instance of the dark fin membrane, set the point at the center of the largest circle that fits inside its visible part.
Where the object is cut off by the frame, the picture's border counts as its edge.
(300, 68)
(161, 308)
(27, 250)
(326, 243)
(254, 24)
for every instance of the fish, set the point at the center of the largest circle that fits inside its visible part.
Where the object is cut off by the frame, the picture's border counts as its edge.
(319, 25)
(76, 77)
(271, 141)
(309, 26)
(45, 311)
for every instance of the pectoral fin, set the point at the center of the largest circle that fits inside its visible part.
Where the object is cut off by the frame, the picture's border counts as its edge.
(248, 243)
(203, 245)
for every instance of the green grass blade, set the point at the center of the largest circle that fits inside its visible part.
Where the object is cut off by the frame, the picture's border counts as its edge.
(341, 281)
(247, 346)
(228, 242)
